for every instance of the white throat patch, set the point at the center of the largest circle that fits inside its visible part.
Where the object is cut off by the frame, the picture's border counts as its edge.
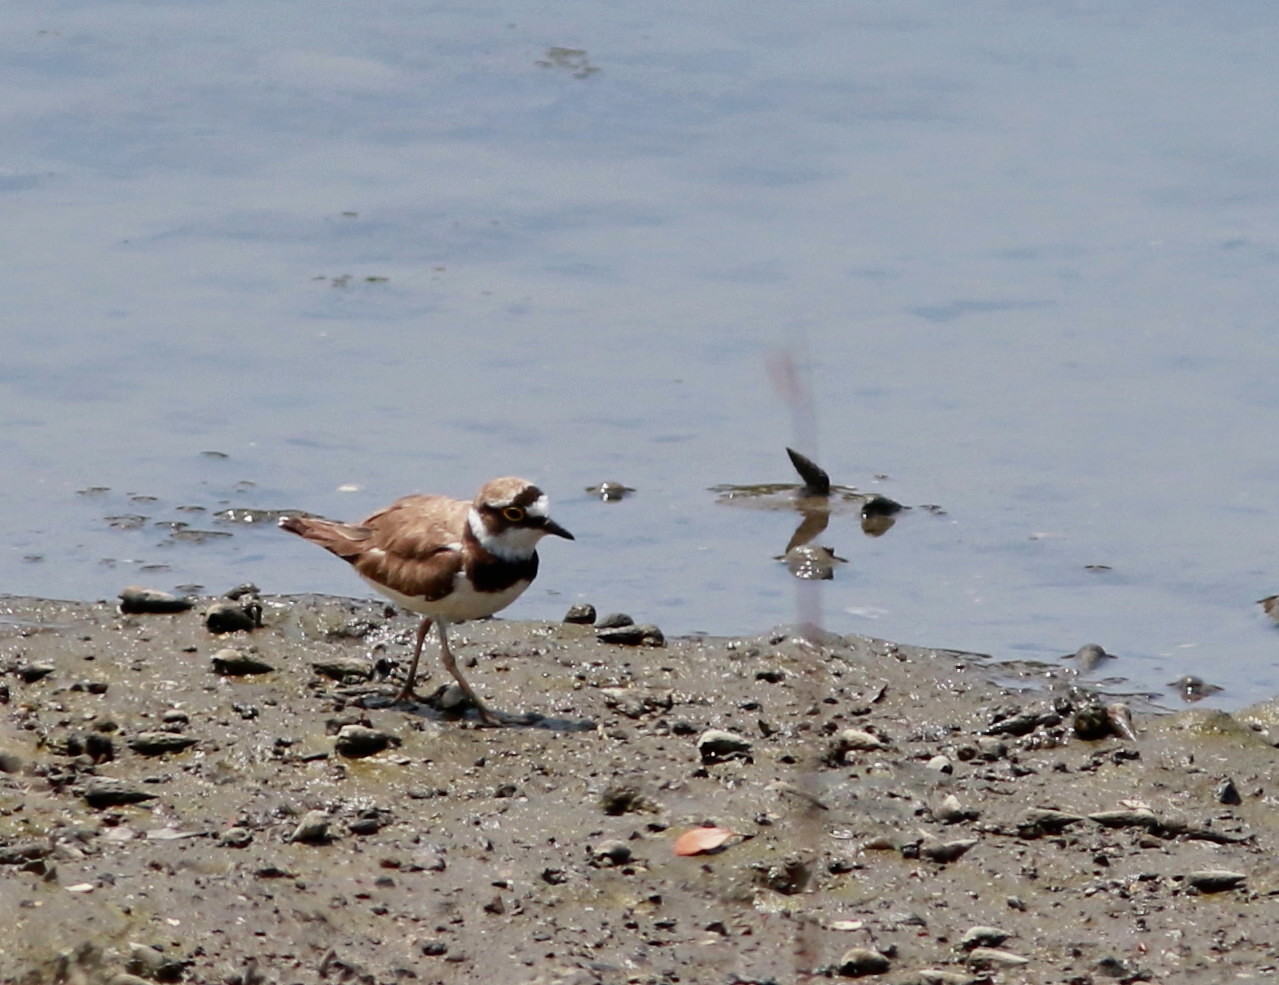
(512, 544)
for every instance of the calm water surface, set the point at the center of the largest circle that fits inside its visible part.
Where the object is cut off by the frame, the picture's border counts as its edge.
(1027, 258)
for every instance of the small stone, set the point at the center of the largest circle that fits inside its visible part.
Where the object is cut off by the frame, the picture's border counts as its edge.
(1089, 656)
(981, 936)
(347, 669)
(312, 829)
(940, 976)
(151, 962)
(858, 962)
(717, 745)
(235, 837)
(158, 743)
(941, 764)
(630, 635)
(1227, 793)
(946, 851)
(989, 957)
(10, 762)
(610, 853)
(1215, 880)
(583, 613)
(30, 673)
(109, 792)
(175, 716)
(233, 617)
(615, 620)
(136, 600)
(357, 741)
(238, 663)
(610, 492)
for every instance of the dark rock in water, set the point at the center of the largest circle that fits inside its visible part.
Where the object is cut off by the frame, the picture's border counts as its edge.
(583, 613)
(240, 591)
(1089, 656)
(233, 617)
(136, 600)
(614, 620)
(357, 741)
(878, 505)
(236, 663)
(1193, 688)
(816, 481)
(108, 792)
(610, 492)
(158, 743)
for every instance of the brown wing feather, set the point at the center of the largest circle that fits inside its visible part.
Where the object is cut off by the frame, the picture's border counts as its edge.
(417, 527)
(413, 546)
(410, 547)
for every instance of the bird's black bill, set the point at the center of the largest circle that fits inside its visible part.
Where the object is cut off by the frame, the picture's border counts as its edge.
(551, 527)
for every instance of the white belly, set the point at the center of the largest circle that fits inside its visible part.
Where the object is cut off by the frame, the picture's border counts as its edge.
(459, 605)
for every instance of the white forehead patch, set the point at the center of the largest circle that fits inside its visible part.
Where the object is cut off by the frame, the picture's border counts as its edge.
(540, 507)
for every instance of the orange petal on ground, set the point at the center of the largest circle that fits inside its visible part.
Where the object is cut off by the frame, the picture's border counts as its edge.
(701, 841)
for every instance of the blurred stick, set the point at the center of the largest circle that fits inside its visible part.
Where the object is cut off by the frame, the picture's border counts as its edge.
(792, 388)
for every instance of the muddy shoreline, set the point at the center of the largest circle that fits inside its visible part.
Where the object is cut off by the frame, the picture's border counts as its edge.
(164, 817)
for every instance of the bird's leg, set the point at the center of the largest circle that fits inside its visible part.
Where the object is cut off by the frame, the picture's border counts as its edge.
(450, 664)
(406, 692)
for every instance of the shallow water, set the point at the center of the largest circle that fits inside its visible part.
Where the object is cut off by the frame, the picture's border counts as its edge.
(1026, 260)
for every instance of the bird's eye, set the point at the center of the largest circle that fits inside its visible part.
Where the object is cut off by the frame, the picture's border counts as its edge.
(513, 513)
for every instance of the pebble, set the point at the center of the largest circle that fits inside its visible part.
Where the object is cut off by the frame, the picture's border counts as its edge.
(347, 669)
(1194, 688)
(1228, 793)
(716, 745)
(989, 957)
(857, 740)
(1215, 880)
(237, 663)
(610, 853)
(941, 764)
(136, 600)
(312, 829)
(860, 961)
(982, 936)
(610, 492)
(356, 741)
(30, 673)
(583, 614)
(233, 616)
(615, 620)
(632, 635)
(939, 976)
(108, 792)
(158, 743)
(946, 851)
(151, 962)
(1089, 656)
(236, 837)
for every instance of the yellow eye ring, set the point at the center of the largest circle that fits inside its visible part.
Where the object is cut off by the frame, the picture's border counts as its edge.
(513, 513)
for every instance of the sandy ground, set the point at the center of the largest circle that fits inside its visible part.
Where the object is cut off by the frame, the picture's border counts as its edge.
(896, 814)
